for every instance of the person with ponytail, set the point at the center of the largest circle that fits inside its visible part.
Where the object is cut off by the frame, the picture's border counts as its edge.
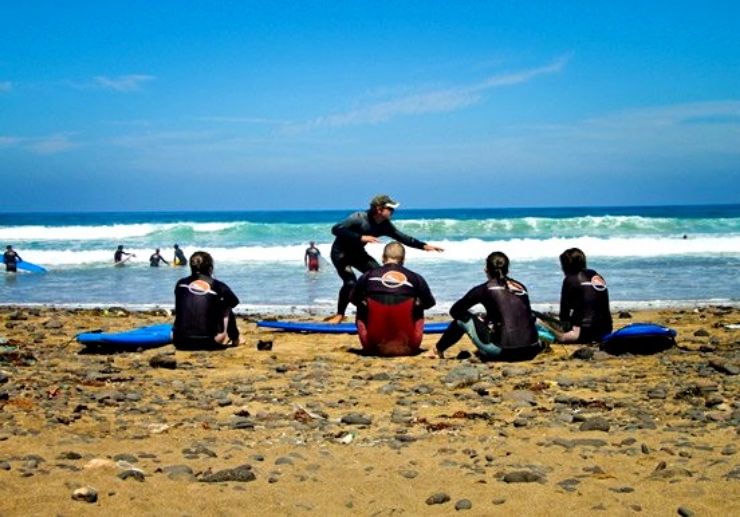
(204, 318)
(507, 331)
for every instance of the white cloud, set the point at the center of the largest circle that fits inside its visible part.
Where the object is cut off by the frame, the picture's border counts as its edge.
(53, 144)
(5, 86)
(436, 101)
(123, 83)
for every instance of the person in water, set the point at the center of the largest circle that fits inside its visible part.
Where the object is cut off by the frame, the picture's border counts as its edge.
(179, 258)
(312, 257)
(390, 302)
(119, 254)
(351, 237)
(507, 332)
(584, 301)
(11, 259)
(204, 316)
(156, 258)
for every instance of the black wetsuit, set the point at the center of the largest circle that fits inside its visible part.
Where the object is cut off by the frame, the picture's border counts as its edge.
(201, 302)
(509, 320)
(584, 303)
(392, 284)
(311, 258)
(11, 259)
(348, 250)
(179, 259)
(118, 255)
(155, 259)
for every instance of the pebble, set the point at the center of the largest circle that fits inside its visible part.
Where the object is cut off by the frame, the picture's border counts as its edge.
(522, 476)
(685, 512)
(85, 494)
(135, 474)
(437, 498)
(242, 473)
(463, 504)
(595, 424)
(461, 377)
(167, 361)
(356, 419)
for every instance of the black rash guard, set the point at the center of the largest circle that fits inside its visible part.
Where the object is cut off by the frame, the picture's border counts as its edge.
(348, 250)
(11, 259)
(392, 284)
(584, 303)
(201, 303)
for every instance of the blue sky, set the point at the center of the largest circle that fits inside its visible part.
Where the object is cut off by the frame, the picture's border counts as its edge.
(142, 105)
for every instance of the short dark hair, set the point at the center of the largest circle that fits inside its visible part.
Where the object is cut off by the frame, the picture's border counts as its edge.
(201, 262)
(572, 260)
(497, 265)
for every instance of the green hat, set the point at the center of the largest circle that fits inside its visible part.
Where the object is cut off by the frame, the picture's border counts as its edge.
(384, 200)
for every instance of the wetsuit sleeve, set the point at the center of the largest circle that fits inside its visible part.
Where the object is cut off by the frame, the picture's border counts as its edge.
(426, 299)
(391, 231)
(347, 229)
(228, 296)
(567, 301)
(460, 309)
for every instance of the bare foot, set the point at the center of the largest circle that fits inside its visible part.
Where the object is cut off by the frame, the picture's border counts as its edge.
(337, 318)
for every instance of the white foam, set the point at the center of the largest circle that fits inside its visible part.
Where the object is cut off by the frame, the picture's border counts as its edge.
(469, 250)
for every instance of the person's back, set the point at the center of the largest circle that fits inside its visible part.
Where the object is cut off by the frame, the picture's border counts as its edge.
(11, 259)
(390, 301)
(203, 316)
(584, 300)
(508, 332)
(179, 258)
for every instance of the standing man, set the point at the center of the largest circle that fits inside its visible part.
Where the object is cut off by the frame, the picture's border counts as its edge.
(311, 257)
(351, 236)
(11, 259)
(391, 301)
(118, 255)
(179, 259)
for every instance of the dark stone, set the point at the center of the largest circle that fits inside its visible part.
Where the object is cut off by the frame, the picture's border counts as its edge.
(701, 333)
(569, 485)
(438, 498)
(132, 474)
(356, 419)
(85, 494)
(624, 315)
(685, 512)
(584, 353)
(264, 345)
(463, 504)
(163, 361)
(125, 457)
(522, 476)
(595, 424)
(242, 473)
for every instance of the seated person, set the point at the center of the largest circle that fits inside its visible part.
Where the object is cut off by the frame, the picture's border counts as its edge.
(584, 301)
(203, 308)
(391, 301)
(507, 332)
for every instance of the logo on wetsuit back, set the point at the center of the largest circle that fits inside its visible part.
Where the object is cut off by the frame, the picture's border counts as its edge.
(597, 282)
(393, 279)
(200, 288)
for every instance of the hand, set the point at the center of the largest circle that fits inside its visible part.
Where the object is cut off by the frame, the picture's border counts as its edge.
(367, 239)
(429, 247)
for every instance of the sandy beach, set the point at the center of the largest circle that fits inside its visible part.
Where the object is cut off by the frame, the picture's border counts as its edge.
(310, 427)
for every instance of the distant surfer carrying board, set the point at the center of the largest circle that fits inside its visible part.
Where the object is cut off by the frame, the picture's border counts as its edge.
(351, 237)
(120, 256)
(11, 259)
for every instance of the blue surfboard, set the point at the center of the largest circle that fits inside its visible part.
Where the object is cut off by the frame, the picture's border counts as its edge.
(639, 338)
(30, 267)
(143, 337)
(350, 328)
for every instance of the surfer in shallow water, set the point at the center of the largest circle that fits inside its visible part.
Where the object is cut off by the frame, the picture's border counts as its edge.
(351, 237)
(11, 259)
(118, 256)
(312, 257)
(179, 259)
(390, 302)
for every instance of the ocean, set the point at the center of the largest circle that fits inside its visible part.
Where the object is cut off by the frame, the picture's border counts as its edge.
(650, 256)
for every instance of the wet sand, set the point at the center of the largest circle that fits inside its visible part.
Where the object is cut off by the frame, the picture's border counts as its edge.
(310, 427)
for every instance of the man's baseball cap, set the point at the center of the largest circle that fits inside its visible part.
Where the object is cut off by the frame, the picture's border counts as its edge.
(384, 200)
